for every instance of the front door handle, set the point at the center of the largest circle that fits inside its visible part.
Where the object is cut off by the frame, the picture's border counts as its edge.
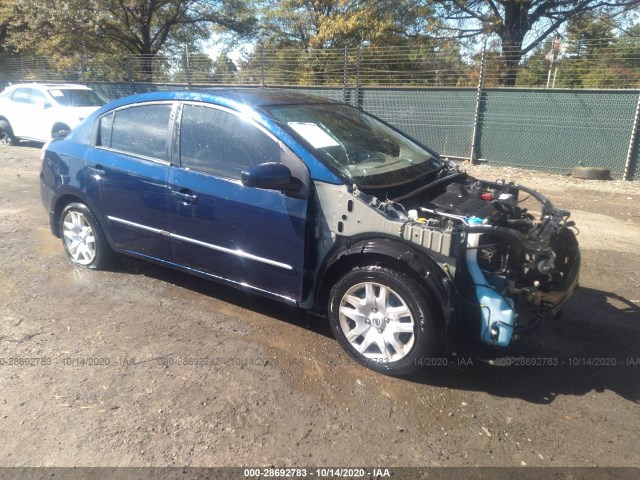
(187, 197)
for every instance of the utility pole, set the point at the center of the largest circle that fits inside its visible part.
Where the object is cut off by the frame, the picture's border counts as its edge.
(552, 57)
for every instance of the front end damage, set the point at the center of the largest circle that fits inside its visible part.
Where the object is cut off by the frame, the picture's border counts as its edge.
(512, 267)
(534, 274)
(505, 267)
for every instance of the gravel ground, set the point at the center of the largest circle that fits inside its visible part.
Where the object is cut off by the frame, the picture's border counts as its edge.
(111, 386)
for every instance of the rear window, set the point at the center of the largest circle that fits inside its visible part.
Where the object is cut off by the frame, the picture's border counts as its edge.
(76, 98)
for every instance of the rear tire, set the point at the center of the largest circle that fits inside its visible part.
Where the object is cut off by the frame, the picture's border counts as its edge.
(6, 134)
(384, 319)
(82, 237)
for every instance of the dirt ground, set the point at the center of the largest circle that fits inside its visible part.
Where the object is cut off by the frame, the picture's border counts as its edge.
(108, 379)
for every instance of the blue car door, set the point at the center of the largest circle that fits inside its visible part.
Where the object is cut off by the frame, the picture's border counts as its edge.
(245, 235)
(130, 165)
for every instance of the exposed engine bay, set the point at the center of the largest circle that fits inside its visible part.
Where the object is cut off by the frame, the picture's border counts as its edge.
(502, 256)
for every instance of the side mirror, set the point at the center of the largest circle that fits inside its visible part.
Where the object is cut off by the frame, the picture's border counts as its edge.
(270, 176)
(47, 105)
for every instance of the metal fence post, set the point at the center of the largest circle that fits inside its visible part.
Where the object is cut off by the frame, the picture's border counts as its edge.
(359, 99)
(476, 117)
(82, 67)
(186, 65)
(345, 76)
(129, 70)
(632, 144)
(262, 70)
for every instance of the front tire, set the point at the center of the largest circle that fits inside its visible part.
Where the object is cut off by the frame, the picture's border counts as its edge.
(6, 134)
(82, 237)
(58, 128)
(384, 319)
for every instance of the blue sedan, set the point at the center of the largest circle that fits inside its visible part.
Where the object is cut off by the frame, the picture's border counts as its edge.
(319, 205)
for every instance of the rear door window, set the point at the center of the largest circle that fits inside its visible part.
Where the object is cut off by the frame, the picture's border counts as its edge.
(21, 95)
(140, 130)
(104, 130)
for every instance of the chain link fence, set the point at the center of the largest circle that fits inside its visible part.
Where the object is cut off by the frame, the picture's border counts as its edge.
(577, 103)
(588, 63)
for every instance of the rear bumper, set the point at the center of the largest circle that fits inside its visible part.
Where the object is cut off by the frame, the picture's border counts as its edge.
(47, 196)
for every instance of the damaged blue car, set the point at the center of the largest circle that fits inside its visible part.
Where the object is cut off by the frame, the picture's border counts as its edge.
(316, 204)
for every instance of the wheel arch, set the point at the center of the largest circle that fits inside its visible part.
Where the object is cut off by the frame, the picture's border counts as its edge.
(59, 206)
(59, 126)
(65, 198)
(389, 253)
(96, 252)
(10, 129)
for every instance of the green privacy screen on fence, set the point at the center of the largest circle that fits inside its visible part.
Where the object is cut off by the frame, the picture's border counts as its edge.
(554, 130)
(442, 119)
(543, 129)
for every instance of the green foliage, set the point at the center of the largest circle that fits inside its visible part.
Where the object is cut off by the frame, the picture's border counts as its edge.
(596, 58)
(6, 14)
(326, 24)
(535, 69)
(307, 42)
(224, 69)
(64, 29)
(521, 25)
(303, 42)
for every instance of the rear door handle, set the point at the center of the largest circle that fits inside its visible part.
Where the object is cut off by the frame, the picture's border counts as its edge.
(187, 197)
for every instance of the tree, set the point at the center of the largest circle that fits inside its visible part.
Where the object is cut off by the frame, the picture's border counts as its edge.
(7, 12)
(343, 23)
(303, 41)
(535, 67)
(521, 25)
(140, 27)
(224, 69)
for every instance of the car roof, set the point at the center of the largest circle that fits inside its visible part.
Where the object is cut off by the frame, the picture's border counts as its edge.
(260, 97)
(60, 86)
(231, 97)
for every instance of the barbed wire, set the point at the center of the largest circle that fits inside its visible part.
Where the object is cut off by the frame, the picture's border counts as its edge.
(588, 63)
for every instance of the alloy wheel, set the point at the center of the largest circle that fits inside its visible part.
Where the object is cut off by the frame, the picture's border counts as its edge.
(79, 238)
(377, 322)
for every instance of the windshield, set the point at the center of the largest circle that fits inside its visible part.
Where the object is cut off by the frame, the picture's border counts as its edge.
(76, 98)
(363, 149)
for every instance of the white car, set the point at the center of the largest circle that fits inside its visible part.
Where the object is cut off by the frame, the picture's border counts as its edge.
(35, 111)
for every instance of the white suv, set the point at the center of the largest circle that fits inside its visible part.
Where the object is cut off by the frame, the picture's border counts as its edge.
(34, 111)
